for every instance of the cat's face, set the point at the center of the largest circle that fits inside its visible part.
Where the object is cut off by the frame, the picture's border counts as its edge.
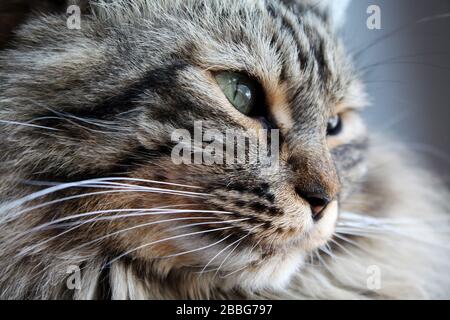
(114, 93)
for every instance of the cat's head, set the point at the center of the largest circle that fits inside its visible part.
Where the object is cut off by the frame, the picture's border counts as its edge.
(103, 101)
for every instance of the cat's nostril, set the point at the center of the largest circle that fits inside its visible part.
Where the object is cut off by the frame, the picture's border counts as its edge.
(318, 203)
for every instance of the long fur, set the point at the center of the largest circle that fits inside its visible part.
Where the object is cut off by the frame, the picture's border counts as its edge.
(54, 87)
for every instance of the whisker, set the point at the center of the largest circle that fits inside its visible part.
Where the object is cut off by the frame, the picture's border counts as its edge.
(375, 234)
(58, 187)
(327, 249)
(227, 256)
(139, 226)
(67, 117)
(109, 179)
(143, 213)
(345, 239)
(240, 269)
(198, 249)
(220, 252)
(102, 184)
(45, 204)
(206, 223)
(166, 239)
(25, 124)
(113, 185)
(322, 261)
(342, 247)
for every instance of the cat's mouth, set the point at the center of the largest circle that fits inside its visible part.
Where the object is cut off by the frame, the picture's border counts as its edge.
(275, 263)
(313, 234)
(286, 254)
(323, 229)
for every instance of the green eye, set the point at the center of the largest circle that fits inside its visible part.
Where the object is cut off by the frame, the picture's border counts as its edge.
(239, 89)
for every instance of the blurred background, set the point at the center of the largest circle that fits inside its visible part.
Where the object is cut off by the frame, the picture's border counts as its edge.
(408, 73)
(406, 65)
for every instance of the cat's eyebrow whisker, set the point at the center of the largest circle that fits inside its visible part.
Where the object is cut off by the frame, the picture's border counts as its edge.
(67, 116)
(166, 239)
(26, 124)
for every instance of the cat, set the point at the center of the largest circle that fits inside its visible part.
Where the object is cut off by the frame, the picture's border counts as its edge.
(92, 205)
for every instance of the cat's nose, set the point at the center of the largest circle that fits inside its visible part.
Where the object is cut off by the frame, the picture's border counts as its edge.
(317, 201)
(315, 178)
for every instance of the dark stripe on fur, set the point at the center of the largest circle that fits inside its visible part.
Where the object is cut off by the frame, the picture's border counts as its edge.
(108, 109)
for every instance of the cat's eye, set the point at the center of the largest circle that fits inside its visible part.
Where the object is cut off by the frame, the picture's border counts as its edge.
(334, 125)
(240, 90)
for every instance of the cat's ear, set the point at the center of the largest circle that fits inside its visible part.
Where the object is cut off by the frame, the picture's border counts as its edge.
(334, 9)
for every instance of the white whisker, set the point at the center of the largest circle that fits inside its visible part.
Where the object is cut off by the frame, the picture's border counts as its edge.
(343, 248)
(25, 124)
(45, 204)
(322, 261)
(58, 187)
(166, 239)
(242, 268)
(206, 223)
(138, 226)
(228, 255)
(141, 212)
(220, 252)
(345, 239)
(198, 249)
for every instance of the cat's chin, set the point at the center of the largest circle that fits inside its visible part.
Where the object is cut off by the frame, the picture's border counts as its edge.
(276, 269)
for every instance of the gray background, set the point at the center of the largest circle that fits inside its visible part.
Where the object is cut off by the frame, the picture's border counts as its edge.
(409, 73)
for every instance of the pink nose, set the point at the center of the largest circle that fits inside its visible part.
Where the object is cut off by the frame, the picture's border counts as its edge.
(318, 202)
